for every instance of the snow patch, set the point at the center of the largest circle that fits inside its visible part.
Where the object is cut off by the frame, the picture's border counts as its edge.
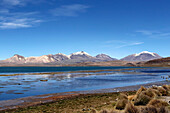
(80, 53)
(145, 52)
(68, 56)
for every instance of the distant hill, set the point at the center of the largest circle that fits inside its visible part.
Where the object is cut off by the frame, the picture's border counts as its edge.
(57, 59)
(143, 56)
(84, 59)
(163, 62)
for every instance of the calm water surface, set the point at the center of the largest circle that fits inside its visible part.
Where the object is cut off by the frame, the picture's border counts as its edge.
(12, 87)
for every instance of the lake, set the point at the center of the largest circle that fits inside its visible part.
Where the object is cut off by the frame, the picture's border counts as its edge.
(18, 86)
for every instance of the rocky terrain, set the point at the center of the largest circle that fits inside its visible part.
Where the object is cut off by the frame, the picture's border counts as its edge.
(163, 62)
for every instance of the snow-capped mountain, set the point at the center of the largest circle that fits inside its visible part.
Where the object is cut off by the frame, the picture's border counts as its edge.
(105, 57)
(80, 55)
(58, 59)
(143, 56)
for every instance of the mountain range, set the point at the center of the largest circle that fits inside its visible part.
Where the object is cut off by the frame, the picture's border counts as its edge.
(78, 57)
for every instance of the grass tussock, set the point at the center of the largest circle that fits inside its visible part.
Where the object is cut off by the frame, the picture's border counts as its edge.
(123, 96)
(121, 104)
(166, 87)
(163, 110)
(140, 90)
(142, 99)
(131, 97)
(157, 103)
(93, 111)
(152, 109)
(122, 101)
(104, 111)
(149, 92)
(156, 92)
(163, 91)
(130, 108)
(149, 109)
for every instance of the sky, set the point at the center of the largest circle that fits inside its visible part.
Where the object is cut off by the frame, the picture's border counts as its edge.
(114, 27)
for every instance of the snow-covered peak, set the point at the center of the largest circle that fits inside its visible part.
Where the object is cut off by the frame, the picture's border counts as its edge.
(145, 52)
(61, 54)
(80, 53)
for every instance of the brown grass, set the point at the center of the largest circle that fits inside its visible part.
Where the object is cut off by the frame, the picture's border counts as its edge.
(131, 97)
(121, 104)
(130, 108)
(162, 91)
(157, 103)
(166, 87)
(122, 96)
(93, 111)
(150, 92)
(140, 90)
(156, 92)
(149, 109)
(163, 110)
(142, 99)
(104, 111)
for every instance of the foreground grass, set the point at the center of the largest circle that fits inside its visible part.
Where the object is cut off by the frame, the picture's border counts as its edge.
(145, 100)
(81, 104)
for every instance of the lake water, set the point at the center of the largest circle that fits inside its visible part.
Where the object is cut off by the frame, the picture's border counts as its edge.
(12, 87)
(11, 70)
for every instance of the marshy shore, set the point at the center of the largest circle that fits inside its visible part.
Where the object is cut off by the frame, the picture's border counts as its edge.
(72, 102)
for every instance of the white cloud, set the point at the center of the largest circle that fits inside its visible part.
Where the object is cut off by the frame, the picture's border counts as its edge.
(17, 21)
(11, 3)
(130, 44)
(13, 25)
(69, 10)
(153, 33)
(122, 43)
(10, 19)
(147, 32)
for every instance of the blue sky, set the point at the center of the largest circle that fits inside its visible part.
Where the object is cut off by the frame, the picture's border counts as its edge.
(114, 27)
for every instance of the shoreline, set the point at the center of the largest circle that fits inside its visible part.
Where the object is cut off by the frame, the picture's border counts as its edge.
(79, 71)
(48, 98)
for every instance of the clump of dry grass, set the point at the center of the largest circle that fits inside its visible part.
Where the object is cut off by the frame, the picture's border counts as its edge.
(149, 92)
(149, 109)
(156, 92)
(142, 99)
(140, 90)
(93, 111)
(166, 87)
(157, 103)
(122, 96)
(121, 104)
(113, 112)
(130, 108)
(163, 110)
(131, 97)
(104, 111)
(162, 91)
